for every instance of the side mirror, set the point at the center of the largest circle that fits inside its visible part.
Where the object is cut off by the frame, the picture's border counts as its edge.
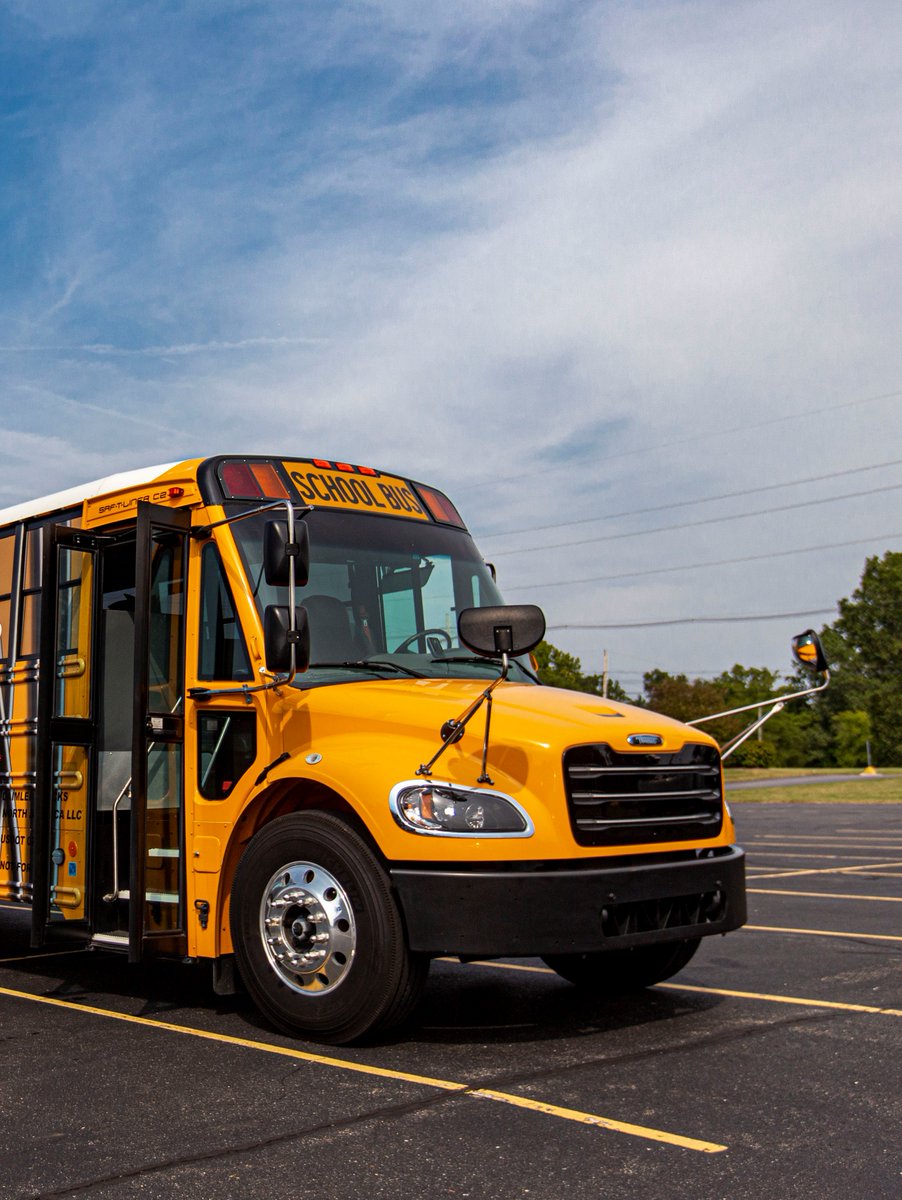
(807, 651)
(278, 639)
(510, 629)
(278, 552)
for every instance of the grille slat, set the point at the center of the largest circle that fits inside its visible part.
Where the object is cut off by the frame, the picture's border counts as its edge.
(598, 797)
(580, 771)
(616, 798)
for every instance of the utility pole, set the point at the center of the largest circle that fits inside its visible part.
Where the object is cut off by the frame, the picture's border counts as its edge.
(604, 674)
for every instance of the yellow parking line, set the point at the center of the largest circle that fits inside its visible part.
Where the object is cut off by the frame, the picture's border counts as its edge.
(465, 1089)
(571, 1114)
(808, 1003)
(878, 846)
(21, 958)
(871, 937)
(821, 895)
(828, 870)
(792, 854)
(687, 987)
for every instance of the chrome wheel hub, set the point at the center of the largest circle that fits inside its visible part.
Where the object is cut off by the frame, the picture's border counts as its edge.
(307, 926)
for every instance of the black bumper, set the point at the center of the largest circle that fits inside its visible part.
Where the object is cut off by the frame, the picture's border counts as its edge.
(517, 913)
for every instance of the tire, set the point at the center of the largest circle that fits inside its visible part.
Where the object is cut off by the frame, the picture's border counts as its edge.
(317, 934)
(614, 972)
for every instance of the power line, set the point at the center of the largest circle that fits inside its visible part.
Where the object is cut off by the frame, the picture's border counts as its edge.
(638, 512)
(723, 562)
(760, 512)
(817, 612)
(697, 437)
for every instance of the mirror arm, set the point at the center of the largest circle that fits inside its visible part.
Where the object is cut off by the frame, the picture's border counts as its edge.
(781, 700)
(456, 726)
(292, 605)
(203, 531)
(728, 747)
(275, 681)
(778, 704)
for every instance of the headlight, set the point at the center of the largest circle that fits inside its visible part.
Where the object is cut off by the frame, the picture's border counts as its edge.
(446, 810)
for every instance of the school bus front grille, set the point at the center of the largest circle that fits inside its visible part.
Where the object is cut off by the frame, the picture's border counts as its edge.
(618, 799)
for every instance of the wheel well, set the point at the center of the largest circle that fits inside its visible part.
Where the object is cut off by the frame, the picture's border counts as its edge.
(285, 796)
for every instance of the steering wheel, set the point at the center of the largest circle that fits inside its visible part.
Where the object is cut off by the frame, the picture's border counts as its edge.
(421, 637)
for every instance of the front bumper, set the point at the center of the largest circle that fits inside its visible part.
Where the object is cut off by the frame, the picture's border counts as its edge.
(525, 913)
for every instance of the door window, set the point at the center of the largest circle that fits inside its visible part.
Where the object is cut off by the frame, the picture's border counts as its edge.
(223, 654)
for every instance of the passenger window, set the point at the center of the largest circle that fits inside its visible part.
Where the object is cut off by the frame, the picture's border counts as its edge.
(7, 554)
(223, 654)
(31, 594)
(227, 746)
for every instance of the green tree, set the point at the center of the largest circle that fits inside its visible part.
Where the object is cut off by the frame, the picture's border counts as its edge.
(683, 699)
(851, 733)
(864, 648)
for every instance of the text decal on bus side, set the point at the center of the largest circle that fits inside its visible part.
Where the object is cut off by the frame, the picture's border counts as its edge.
(383, 493)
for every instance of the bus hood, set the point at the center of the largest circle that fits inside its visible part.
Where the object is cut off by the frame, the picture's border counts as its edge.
(522, 714)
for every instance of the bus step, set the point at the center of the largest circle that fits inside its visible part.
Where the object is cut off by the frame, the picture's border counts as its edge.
(115, 940)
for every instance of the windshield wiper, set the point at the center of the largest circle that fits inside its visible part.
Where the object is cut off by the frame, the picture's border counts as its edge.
(364, 664)
(478, 660)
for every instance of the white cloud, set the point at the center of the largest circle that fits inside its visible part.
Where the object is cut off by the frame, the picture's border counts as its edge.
(694, 233)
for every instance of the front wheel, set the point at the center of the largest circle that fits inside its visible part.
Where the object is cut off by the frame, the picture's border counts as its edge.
(317, 935)
(618, 971)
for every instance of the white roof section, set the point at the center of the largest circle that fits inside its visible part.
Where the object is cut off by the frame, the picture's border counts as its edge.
(77, 495)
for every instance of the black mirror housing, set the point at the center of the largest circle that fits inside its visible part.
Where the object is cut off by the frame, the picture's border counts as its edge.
(510, 629)
(808, 651)
(278, 552)
(278, 639)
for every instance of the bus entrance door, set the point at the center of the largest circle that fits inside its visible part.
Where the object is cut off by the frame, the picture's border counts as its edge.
(108, 837)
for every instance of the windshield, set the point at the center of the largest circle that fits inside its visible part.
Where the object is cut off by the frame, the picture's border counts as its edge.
(383, 596)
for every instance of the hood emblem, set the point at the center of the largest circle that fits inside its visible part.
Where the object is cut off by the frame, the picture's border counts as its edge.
(645, 739)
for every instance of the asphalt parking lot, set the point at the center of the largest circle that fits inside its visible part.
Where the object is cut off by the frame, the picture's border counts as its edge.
(768, 1067)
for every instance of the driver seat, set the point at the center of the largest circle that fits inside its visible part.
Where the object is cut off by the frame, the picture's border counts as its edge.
(331, 639)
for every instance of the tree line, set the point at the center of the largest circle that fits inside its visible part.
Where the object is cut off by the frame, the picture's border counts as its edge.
(862, 706)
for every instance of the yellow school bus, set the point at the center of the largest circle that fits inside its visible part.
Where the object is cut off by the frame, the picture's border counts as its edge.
(273, 713)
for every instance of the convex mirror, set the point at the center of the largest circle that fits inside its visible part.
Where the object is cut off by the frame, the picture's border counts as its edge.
(510, 629)
(807, 651)
(278, 552)
(279, 638)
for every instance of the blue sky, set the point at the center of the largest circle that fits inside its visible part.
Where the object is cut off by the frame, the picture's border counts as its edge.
(564, 260)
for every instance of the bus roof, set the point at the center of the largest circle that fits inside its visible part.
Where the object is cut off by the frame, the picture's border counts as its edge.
(77, 495)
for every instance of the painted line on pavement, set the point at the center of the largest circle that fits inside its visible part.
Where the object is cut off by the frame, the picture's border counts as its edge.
(828, 870)
(710, 991)
(21, 958)
(871, 937)
(464, 1089)
(822, 895)
(821, 857)
(842, 1007)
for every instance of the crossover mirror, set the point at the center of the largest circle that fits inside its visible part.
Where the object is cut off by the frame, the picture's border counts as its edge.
(510, 629)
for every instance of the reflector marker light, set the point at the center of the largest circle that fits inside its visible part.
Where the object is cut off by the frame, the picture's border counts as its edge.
(238, 480)
(440, 506)
(268, 478)
(252, 481)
